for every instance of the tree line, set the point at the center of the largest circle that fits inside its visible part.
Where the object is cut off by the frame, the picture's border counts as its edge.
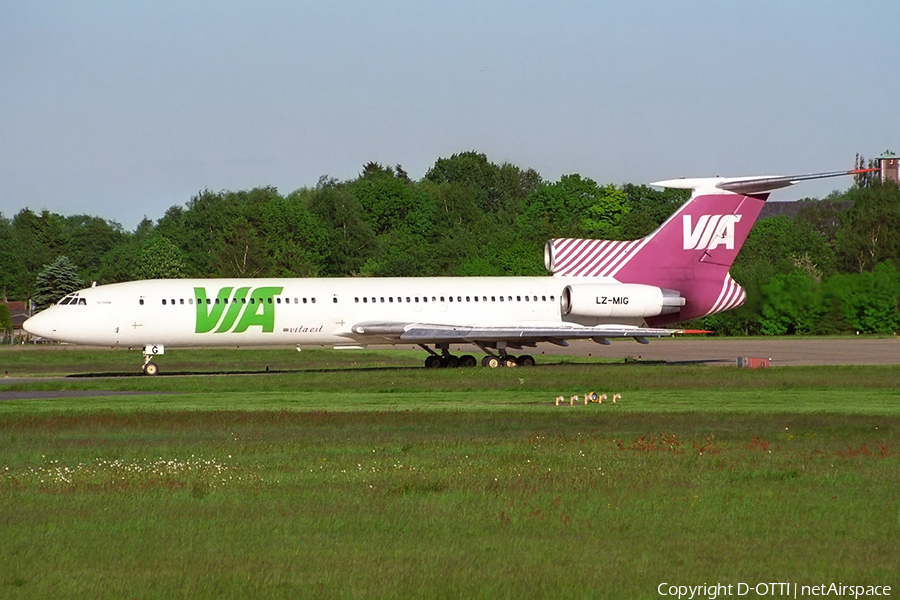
(831, 269)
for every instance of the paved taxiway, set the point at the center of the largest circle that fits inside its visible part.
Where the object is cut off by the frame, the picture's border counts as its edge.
(713, 351)
(725, 351)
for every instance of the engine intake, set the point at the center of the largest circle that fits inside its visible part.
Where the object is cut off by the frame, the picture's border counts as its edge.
(618, 300)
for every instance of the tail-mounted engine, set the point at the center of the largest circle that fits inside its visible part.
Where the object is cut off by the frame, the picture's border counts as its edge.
(618, 300)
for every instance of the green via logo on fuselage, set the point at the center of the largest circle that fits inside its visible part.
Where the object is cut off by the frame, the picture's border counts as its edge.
(219, 314)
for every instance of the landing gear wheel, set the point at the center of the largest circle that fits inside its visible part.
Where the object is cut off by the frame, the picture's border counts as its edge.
(450, 361)
(525, 360)
(433, 362)
(509, 361)
(467, 360)
(490, 361)
(151, 369)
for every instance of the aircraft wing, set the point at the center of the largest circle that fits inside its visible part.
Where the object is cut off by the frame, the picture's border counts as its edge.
(431, 333)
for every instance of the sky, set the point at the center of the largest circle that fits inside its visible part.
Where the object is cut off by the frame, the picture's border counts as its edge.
(124, 109)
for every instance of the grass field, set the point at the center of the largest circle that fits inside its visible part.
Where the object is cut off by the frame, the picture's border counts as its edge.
(360, 474)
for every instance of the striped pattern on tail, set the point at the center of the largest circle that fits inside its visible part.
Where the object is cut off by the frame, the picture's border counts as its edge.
(572, 257)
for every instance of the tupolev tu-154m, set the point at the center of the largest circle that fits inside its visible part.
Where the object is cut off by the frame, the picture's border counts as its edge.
(597, 290)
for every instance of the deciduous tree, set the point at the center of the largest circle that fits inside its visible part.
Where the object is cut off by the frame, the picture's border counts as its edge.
(6, 324)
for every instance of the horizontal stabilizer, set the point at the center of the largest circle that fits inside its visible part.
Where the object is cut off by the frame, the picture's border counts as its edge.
(750, 185)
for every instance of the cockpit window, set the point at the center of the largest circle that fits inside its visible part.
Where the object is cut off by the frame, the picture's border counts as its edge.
(72, 299)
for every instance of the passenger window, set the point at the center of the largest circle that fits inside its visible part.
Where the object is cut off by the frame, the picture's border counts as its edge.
(141, 301)
(304, 301)
(382, 300)
(313, 300)
(164, 301)
(357, 300)
(391, 299)
(417, 298)
(269, 300)
(277, 300)
(334, 299)
(190, 301)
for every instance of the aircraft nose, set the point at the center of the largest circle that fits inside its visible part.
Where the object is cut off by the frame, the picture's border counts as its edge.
(41, 325)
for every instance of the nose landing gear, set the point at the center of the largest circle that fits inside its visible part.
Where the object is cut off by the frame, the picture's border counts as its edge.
(150, 351)
(151, 368)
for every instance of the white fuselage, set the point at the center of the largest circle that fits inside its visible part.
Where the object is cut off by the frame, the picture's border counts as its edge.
(296, 312)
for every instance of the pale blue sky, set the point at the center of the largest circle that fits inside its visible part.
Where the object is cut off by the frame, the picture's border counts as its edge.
(122, 109)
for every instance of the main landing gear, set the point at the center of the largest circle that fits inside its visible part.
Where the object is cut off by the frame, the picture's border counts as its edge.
(492, 361)
(507, 360)
(445, 359)
(501, 358)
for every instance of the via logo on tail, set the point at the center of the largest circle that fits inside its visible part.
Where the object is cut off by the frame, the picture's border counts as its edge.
(711, 231)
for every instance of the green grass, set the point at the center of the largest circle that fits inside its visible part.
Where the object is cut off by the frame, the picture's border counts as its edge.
(376, 480)
(752, 402)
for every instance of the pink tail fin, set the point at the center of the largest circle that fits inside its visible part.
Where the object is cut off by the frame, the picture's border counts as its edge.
(690, 253)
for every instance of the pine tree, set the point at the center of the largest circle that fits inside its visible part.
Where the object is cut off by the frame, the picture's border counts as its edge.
(55, 281)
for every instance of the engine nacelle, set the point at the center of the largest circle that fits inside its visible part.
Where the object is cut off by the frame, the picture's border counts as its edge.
(618, 300)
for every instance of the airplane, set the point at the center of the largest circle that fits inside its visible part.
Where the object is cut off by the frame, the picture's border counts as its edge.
(598, 290)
